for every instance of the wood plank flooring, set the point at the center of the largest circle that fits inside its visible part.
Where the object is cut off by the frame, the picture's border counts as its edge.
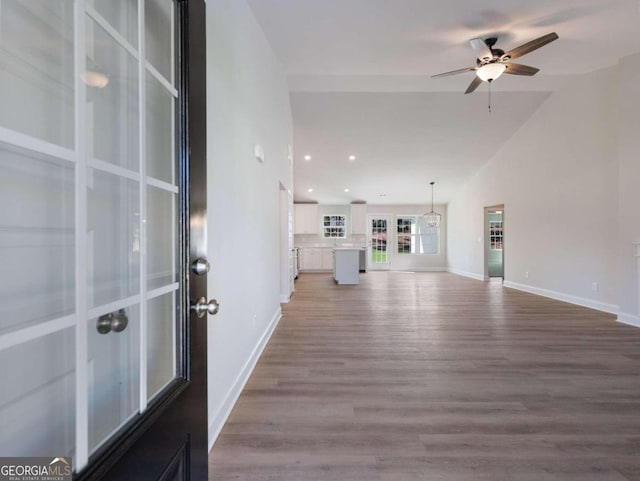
(431, 376)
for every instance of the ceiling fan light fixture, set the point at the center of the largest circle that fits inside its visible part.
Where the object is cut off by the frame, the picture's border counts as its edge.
(491, 71)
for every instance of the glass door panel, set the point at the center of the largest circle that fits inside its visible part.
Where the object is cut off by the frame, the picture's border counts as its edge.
(36, 78)
(113, 237)
(112, 100)
(377, 242)
(161, 341)
(37, 401)
(113, 375)
(36, 237)
(88, 238)
(122, 15)
(160, 126)
(159, 36)
(161, 225)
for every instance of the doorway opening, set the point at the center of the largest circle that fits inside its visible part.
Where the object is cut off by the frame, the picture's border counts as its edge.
(494, 242)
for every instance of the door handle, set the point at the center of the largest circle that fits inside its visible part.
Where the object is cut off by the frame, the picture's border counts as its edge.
(202, 307)
(116, 321)
(200, 266)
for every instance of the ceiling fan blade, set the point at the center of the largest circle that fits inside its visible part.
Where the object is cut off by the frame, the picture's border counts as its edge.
(475, 83)
(518, 69)
(454, 72)
(482, 49)
(530, 46)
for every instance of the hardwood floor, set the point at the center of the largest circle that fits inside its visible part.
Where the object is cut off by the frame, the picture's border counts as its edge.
(431, 376)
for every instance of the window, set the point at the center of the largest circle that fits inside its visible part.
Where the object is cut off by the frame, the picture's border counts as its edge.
(414, 236)
(334, 226)
(495, 235)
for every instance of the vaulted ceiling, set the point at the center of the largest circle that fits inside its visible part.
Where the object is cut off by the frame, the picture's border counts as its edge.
(359, 75)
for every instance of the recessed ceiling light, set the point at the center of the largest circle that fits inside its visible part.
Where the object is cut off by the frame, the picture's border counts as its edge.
(307, 157)
(352, 157)
(346, 190)
(309, 189)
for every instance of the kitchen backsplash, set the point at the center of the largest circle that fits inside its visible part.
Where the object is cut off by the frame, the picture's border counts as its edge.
(314, 240)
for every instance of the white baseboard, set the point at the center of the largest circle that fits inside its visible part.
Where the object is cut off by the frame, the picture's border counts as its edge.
(629, 319)
(560, 296)
(472, 275)
(420, 269)
(232, 396)
(284, 299)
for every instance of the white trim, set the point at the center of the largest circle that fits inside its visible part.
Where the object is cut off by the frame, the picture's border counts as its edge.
(472, 275)
(34, 144)
(284, 299)
(161, 184)
(161, 291)
(36, 331)
(142, 150)
(628, 319)
(106, 26)
(81, 457)
(221, 415)
(560, 296)
(113, 169)
(158, 76)
(112, 306)
(419, 269)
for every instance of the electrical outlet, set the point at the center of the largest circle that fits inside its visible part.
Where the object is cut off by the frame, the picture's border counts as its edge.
(526, 274)
(594, 286)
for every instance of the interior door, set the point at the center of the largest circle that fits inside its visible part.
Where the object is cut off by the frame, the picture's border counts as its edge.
(102, 161)
(379, 238)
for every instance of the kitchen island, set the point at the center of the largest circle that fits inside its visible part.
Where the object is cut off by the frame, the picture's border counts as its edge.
(346, 265)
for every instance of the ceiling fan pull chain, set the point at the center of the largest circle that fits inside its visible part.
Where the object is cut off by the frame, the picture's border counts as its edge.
(489, 97)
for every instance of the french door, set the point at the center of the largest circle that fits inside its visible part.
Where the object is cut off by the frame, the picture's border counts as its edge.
(102, 148)
(379, 241)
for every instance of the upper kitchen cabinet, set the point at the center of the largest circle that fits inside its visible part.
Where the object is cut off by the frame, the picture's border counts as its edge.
(358, 219)
(305, 220)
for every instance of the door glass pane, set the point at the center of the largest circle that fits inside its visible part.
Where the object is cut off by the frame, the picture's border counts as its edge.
(37, 400)
(160, 131)
(113, 376)
(113, 237)
(36, 78)
(158, 19)
(161, 225)
(378, 241)
(161, 342)
(112, 108)
(121, 15)
(36, 238)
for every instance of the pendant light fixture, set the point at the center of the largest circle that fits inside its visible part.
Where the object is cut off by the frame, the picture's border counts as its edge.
(432, 218)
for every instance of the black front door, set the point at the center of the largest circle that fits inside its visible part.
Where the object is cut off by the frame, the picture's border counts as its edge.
(103, 188)
(169, 440)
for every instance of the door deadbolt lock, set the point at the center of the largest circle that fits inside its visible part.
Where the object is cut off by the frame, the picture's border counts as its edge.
(200, 266)
(202, 307)
(116, 321)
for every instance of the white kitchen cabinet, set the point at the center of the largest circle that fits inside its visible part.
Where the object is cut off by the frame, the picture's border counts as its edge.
(305, 219)
(327, 259)
(316, 259)
(358, 219)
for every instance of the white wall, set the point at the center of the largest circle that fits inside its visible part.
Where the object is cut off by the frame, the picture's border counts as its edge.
(411, 261)
(629, 182)
(247, 103)
(558, 180)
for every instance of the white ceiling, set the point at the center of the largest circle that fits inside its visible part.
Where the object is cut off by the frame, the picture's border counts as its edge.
(359, 75)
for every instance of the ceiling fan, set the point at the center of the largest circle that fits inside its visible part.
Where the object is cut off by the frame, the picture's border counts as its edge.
(493, 62)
